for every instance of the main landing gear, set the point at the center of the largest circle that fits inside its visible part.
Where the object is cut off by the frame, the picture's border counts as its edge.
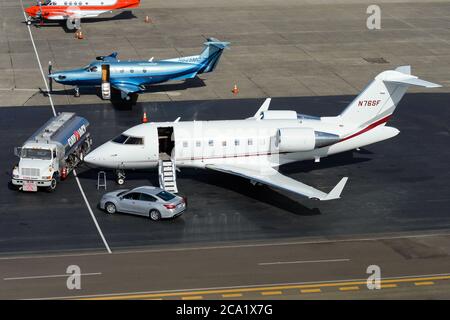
(120, 176)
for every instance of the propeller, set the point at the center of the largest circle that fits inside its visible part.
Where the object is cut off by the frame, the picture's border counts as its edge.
(50, 79)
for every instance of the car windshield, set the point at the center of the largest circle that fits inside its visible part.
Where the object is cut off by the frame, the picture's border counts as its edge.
(122, 193)
(42, 154)
(166, 196)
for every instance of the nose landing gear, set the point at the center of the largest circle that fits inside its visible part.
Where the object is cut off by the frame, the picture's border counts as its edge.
(120, 176)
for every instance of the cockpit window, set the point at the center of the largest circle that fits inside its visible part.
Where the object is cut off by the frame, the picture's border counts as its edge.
(134, 140)
(93, 69)
(124, 139)
(120, 139)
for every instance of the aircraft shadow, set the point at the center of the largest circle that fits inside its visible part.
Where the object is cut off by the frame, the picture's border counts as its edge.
(337, 160)
(124, 15)
(119, 103)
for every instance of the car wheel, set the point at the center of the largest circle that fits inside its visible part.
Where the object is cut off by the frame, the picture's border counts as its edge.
(154, 215)
(110, 208)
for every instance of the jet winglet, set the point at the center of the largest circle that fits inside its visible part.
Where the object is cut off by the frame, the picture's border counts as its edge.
(337, 190)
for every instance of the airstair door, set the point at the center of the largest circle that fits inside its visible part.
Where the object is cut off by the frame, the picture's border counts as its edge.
(166, 159)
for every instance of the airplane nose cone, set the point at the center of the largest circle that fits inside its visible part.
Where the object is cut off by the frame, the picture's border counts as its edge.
(91, 158)
(103, 156)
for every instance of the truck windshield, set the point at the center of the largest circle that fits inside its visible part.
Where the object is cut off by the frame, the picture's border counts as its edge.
(41, 154)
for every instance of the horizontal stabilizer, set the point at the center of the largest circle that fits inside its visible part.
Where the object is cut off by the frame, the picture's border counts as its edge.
(416, 82)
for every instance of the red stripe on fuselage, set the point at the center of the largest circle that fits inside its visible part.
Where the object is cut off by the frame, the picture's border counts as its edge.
(369, 127)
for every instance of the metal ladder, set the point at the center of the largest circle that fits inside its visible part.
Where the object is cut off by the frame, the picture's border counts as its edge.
(101, 180)
(167, 175)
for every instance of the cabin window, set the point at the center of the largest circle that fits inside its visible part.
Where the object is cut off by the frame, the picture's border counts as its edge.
(211, 143)
(236, 142)
(65, 3)
(198, 144)
(250, 142)
(131, 71)
(144, 70)
(224, 143)
(122, 71)
(185, 144)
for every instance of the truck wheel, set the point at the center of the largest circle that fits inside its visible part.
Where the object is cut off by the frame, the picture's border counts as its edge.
(52, 186)
(110, 208)
(154, 215)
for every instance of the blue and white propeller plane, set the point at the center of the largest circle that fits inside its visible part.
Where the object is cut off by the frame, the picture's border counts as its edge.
(132, 77)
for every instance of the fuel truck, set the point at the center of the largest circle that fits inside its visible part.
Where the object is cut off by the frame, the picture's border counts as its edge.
(51, 153)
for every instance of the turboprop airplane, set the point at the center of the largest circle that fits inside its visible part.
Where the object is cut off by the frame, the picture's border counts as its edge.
(131, 77)
(74, 9)
(254, 148)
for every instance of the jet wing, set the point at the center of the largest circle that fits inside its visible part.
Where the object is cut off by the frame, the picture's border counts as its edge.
(126, 87)
(273, 178)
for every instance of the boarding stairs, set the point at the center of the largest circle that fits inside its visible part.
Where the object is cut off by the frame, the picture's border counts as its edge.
(167, 175)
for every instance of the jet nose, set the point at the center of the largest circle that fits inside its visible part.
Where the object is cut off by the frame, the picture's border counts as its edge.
(103, 156)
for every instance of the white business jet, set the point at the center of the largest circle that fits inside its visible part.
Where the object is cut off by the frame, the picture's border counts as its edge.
(254, 148)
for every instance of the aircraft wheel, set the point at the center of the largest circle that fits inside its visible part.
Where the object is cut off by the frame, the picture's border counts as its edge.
(120, 181)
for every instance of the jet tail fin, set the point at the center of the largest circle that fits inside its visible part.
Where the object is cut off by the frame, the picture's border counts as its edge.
(380, 98)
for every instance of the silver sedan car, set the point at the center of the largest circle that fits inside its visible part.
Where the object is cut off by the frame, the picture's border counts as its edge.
(151, 202)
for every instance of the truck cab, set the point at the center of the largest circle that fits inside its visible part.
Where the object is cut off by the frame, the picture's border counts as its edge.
(38, 167)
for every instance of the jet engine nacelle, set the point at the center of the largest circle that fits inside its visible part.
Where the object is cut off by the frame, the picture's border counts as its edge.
(303, 139)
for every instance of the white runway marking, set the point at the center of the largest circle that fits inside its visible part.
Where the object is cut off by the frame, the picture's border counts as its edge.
(39, 61)
(90, 211)
(51, 276)
(54, 113)
(301, 261)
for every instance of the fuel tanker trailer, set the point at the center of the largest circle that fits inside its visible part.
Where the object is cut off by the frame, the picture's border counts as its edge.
(52, 152)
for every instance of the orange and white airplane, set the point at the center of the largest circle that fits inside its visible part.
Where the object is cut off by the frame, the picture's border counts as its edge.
(75, 10)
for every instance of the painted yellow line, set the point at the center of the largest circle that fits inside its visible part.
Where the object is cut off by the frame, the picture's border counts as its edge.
(192, 298)
(271, 293)
(310, 290)
(349, 288)
(232, 295)
(267, 288)
(424, 283)
(389, 285)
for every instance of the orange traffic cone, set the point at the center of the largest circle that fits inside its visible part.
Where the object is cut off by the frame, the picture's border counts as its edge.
(79, 34)
(144, 118)
(235, 89)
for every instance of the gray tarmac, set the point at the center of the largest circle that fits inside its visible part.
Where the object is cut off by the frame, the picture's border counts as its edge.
(278, 48)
